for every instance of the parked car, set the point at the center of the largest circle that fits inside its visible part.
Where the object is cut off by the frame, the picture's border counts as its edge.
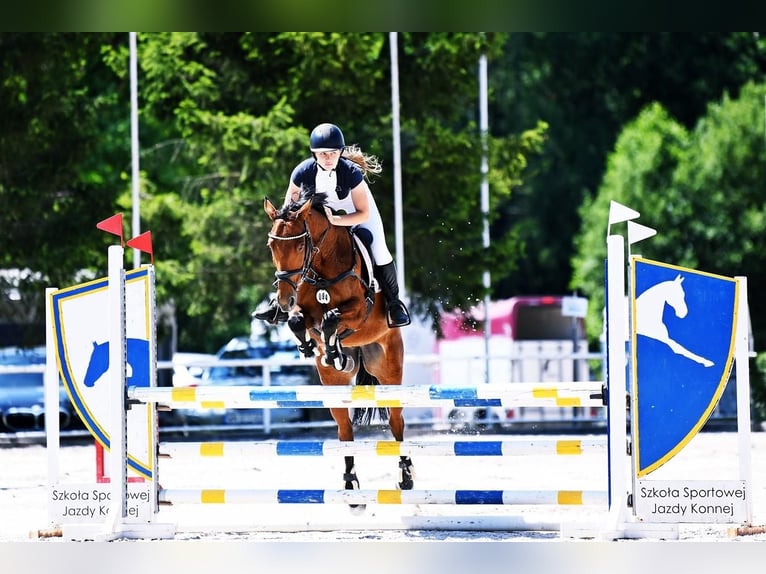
(244, 348)
(188, 368)
(22, 392)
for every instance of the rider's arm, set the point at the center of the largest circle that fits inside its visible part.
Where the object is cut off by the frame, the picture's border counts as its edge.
(359, 195)
(293, 193)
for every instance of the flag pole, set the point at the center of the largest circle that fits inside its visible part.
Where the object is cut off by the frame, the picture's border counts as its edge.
(134, 145)
(398, 230)
(484, 130)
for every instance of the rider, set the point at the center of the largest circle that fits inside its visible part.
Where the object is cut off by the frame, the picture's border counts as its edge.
(340, 172)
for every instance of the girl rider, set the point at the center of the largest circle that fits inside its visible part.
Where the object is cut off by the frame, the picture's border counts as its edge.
(340, 172)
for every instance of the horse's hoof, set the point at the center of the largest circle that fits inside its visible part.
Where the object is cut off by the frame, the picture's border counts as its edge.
(351, 482)
(357, 509)
(347, 364)
(406, 475)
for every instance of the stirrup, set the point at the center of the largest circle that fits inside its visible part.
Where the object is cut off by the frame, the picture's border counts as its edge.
(397, 315)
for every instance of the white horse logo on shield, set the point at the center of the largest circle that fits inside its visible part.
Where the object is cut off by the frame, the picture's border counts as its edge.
(650, 306)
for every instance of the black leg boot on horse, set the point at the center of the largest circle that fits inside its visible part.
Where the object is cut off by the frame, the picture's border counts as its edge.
(396, 313)
(351, 482)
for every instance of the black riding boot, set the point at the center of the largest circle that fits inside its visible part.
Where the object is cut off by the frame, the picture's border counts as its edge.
(396, 313)
(271, 313)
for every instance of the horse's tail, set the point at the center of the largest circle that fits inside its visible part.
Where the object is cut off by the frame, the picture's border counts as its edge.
(365, 415)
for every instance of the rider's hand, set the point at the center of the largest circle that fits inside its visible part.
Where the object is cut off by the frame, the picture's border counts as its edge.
(330, 216)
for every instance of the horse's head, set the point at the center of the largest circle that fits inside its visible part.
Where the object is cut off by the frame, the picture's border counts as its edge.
(288, 242)
(676, 297)
(304, 243)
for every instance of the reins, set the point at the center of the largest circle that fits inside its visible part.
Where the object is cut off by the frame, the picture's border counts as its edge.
(312, 277)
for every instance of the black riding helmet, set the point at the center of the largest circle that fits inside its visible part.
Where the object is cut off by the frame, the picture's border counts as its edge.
(326, 137)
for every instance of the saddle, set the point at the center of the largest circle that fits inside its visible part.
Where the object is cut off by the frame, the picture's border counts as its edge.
(363, 242)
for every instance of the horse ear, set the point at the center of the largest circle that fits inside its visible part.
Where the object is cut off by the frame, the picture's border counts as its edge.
(679, 279)
(304, 210)
(269, 208)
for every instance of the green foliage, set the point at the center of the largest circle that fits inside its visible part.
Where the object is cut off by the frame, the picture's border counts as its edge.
(639, 174)
(63, 144)
(224, 117)
(701, 190)
(587, 86)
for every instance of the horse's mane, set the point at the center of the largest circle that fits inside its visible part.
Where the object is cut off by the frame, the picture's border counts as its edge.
(307, 194)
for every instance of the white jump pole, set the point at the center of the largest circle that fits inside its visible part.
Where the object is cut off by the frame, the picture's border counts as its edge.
(52, 426)
(616, 379)
(116, 378)
(742, 358)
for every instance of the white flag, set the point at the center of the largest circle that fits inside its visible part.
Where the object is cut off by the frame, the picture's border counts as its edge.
(638, 232)
(619, 212)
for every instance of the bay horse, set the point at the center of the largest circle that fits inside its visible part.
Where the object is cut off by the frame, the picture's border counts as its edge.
(337, 317)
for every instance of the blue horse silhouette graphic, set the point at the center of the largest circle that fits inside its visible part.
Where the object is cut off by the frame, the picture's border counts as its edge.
(650, 306)
(137, 357)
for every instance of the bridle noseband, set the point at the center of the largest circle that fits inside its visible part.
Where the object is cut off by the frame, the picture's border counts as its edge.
(284, 276)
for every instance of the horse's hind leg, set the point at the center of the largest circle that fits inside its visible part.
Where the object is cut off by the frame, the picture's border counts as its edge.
(406, 470)
(350, 480)
(406, 473)
(346, 433)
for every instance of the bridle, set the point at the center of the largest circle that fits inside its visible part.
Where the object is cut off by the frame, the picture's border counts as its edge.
(309, 274)
(285, 276)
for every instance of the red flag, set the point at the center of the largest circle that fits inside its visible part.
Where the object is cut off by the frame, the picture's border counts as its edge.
(143, 243)
(112, 225)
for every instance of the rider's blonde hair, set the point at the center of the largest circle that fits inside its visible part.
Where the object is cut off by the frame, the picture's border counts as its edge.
(369, 164)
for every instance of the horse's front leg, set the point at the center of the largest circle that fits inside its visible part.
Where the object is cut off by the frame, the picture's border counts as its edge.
(333, 350)
(306, 345)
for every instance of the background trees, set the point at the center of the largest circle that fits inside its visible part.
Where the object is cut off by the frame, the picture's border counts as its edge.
(701, 188)
(660, 122)
(587, 86)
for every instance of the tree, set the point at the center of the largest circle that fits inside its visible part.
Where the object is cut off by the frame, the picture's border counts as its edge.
(238, 121)
(63, 148)
(639, 174)
(587, 86)
(702, 191)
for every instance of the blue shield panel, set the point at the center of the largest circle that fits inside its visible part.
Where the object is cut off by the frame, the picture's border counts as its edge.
(682, 333)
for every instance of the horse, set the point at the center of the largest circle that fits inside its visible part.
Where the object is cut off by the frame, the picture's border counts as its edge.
(650, 306)
(326, 285)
